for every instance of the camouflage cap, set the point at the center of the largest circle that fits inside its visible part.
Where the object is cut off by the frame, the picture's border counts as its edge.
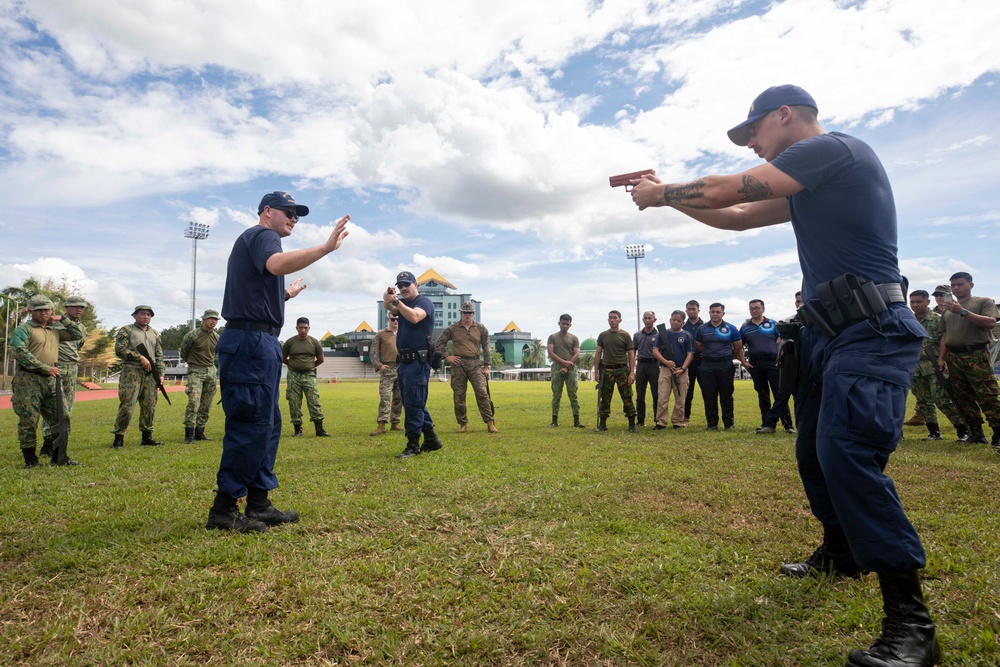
(138, 308)
(210, 315)
(76, 300)
(942, 290)
(40, 302)
(468, 307)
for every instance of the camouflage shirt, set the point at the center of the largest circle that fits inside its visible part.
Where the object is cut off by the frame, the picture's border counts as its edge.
(129, 337)
(466, 343)
(932, 325)
(198, 347)
(36, 347)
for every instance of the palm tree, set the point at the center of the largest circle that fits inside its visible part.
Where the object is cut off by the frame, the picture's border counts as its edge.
(535, 358)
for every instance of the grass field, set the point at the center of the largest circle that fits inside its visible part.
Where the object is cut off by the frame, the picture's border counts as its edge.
(535, 546)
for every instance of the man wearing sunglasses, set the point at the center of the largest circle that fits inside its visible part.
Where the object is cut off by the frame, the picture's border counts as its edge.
(250, 361)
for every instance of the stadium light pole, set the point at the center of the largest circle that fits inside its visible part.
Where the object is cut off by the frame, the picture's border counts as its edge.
(636, 252)
(196, 231)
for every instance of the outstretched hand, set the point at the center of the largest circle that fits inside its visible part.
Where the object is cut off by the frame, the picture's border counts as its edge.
(647, 191)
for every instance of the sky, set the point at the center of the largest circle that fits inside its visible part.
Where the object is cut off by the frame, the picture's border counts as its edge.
(475, 138)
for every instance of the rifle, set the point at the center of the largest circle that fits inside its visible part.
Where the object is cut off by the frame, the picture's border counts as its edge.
(623, 179)
(61, 429)
(600, 385)
(141, 349)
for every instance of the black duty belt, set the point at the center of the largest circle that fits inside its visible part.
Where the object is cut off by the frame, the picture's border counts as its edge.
(847, 300)
(648, 361)
(253, 325)
(959, 349)
(763, 357)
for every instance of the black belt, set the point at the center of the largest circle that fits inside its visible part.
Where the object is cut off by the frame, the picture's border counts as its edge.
(763, 357)
(718, 359)
(614, 368)
(847, 300)
(647, 361)
(958, 349)
(253, 325)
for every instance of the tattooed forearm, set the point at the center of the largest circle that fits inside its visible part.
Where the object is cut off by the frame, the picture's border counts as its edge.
(755, 190)
(685, 194)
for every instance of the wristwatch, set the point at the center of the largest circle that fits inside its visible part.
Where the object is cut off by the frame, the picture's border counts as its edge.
(963, 313)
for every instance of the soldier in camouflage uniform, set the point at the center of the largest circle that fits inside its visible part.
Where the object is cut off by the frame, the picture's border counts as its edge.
(470, 364)
(383, 356)
(302, 354)
(137, 381)
(198, 352)
(35, 345)
(614, 362)
(68, 364)
(925, 385)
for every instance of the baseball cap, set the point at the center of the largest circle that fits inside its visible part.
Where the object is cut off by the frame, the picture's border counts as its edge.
(138, 308)
(405, 277)
(771, 99)
(40, 302)
(278, 199)
(941, 290)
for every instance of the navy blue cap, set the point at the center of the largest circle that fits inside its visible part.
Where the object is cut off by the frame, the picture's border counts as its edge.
(278, 199)
(405, 277)
(771, 99)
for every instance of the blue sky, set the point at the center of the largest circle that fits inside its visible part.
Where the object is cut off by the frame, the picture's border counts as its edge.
(472, 138)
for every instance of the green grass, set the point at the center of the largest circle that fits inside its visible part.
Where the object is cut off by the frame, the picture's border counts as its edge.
(535, 546)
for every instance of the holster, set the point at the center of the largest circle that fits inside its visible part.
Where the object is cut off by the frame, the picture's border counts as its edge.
(788, 365)
(847, 300)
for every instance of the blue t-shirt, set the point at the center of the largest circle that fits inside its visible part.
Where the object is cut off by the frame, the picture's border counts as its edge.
(252, 293)
(762, 339)
(411, 336)
(681, 343)
(717, 341)
(845, 218)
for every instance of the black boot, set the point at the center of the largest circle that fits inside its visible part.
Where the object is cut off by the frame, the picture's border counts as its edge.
(225, 515)
(432, 442)
(259, 508)
(298, 430)
(602, 423)
(631, 425)
(576, 422)
(30, 458)
(976, 435)
(199, 433)
(119, 441)
(908, 637)
(188, 435)
(833, 556)
(412, 448)
(934, 431)
(961, 433)
(320, 431)
(46, 449)
(555, 421)
(147, 440)
(995, 443)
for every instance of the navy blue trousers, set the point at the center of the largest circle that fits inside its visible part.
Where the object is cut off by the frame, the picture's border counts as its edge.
(764, 373)
(716, 377)
(846, 436)
(413, 378)
(249, 377)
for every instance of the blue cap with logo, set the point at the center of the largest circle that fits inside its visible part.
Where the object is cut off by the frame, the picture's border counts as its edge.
(278, 199)
(771, 99)
(405, 277)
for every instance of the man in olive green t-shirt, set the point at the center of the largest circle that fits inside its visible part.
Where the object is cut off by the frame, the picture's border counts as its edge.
(564, 351)
(302, 354)
(615, 362)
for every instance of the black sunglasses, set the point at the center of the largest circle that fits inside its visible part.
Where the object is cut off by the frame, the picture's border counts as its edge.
(289, 213)
(403, 284)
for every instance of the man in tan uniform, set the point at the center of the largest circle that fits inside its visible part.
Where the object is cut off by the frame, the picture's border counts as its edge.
(383, 356)
(470, 362)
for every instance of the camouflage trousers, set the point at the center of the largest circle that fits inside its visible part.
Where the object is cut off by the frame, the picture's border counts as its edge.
(975, 387)
(929, 393)
(200, 391)
(390, 399)
(70, 372)
(465, 372)
(300, 383)
(33, 396)
(135, 385)
(616, 377)
(571, 380)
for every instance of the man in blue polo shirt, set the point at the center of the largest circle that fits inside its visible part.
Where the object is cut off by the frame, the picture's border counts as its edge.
(760, 342)
(835, 192)
(249, 357)
(719, 341)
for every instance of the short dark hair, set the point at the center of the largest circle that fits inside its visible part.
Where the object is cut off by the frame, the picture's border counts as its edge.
(717, 305)
(961, 275)
(799, 293)
(565, 318)
(753, 301)
(694, 303)
(302, 320)
(678, 312)
(616, 313)
(920, 293)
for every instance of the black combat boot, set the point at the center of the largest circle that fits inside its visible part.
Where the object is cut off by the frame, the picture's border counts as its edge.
(631, 425)
(46, 449)
(320, 431)
(298, 430)
(119, 441)
(976, 435)
(602, 423)
(576, 422)
(933, 431)
(833, 556)
(908, 637)
(188, 435)
(30, 458)
(147, 440)
(412, 448)
(432, 442)
(225, 515)
(199, 433)
(961, 433)
(259, 508)
(555, 421)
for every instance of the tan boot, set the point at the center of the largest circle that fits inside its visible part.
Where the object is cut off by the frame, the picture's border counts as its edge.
(380, 430)
(395, 427)
(916, 420)
(490, 427)
(462, 428)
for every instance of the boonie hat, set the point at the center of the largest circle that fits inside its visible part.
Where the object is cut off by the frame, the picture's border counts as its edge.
(278, 199)
(40, 302)
(138, 308)
(771, 99)
(76, 300)
(467, 307)
(210, 315)
(941, 290)
(405, 277)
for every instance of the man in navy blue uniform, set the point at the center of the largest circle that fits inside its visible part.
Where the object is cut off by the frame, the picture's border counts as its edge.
(858, 348)
(249, 355)
(719, 341)
(691, 325)
(760, 343)
(413, 357)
